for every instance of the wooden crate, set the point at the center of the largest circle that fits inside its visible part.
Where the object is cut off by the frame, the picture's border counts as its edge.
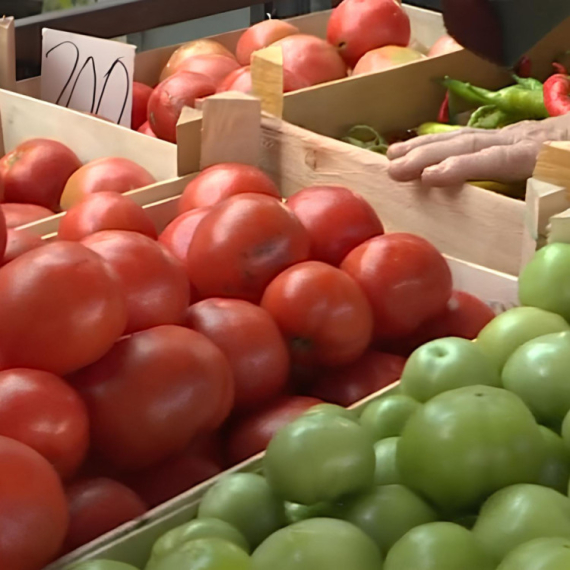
(466, 222)
(427, 27)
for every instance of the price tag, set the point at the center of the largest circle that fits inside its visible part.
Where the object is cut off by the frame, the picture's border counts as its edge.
(88, 74)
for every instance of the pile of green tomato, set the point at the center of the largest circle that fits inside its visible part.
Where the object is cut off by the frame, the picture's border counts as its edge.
(464, 466)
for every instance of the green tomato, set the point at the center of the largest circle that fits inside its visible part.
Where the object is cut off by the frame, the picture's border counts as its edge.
(100, 565)
(555, 471)
(334, 410)
(296, 513)
(205, 554)
(446, 364)
(318, 544)
(538, 372)
(465, 444)
(545, 281)
(539, 554)
(246, 501)
(319, 459)
(438, 546)
(387, 416)
(511, 329)
(387, 513)
(197, 528)
(521, 513)
(386, 467)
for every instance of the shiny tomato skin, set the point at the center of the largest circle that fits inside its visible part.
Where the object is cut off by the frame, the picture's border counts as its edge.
(178, 234)
(337, 220)
(33, 509)
(242, 244)
(216, 67)
(358, 26)
(346, 385)
(104, 211)
(42, 411)
(141, 95)
(97, 506)
(260, 36)
(19, 242)
(146, 129)
(171, 96)
(177, 474)
(240, 80)
(36, 172)
(252, 343)
(252, 433)
(111, 174)
(221, 181)
(323, 314)
(3, 235)
(152, 393)
(19, 214)
(83, 311)
(405, 278)
(154, 282)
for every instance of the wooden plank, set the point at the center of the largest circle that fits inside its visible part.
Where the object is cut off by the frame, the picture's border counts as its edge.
(267, 79)
(7, 54)
(91, 138)
(553, 164)
(559, 230)
(465, 222)
(189, 140)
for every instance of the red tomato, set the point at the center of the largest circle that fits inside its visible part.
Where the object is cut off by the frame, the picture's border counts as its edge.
(311, 59)
(153, 392)
(240, 80)
(42, 411)
(358, 26)
(337, 220)
(322, 313)
(146, 129)
(404, 277)
(3, 235)
(174, 476)
(20, 242)
(251, 434)
(261, 35)
(104, 211)
(221, 181)
(33, 510)
(191, 49)
(97, 506)
(242, 244)
(252, 343)
(154, 282)
(214, 66)
(65, 308)
(141, 95)
(171, 96)
(386, 57)
(464, 316)
(113, 174)
(445, 44)
(349, 384)
(19, 214)
(36, 172)
(178, 234)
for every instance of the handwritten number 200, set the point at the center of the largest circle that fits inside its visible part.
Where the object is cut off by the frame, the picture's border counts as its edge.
(89, 63)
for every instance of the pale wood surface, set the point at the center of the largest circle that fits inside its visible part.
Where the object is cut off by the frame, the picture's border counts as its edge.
(469, 223)
(267, 79)
(553, 164)
(7, 54)
(90, 138)
(560, 228)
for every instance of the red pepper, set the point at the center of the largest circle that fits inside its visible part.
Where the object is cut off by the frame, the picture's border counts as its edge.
(557, 92)
(443, 116)
(524, 67)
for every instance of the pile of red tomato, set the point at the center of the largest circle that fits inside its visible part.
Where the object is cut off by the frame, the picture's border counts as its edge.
(133, 368)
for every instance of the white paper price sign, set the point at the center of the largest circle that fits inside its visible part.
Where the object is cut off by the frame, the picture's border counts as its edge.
(88, 74)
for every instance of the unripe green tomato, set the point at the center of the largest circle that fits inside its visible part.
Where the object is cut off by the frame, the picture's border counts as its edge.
(386, 462)
(386, 417)
(539, 554)
(555, 472)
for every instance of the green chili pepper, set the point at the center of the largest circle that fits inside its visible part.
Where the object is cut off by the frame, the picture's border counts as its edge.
(366, 137)
(529, 83)
(489, 117)
(436, 128)
(513, 100)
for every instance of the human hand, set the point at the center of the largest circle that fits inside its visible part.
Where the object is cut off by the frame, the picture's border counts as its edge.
(449, 159)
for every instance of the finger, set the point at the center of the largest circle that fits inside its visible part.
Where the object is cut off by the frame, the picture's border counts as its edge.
(413, 164)
(398, 150)
(510, 163)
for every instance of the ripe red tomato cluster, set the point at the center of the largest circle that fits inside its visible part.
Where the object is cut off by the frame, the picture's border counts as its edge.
(133, 368)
